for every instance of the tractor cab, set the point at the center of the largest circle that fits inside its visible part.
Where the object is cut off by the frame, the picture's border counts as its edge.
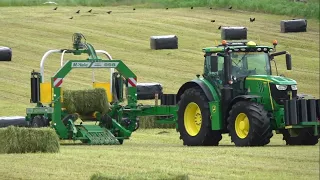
(245, 58)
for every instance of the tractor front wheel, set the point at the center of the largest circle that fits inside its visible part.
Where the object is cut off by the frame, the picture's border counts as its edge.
(194, 122)
(300, 137)
(249, 125)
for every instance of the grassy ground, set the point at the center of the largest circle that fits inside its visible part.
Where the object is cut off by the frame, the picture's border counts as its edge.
(150, 151)
(31, 31)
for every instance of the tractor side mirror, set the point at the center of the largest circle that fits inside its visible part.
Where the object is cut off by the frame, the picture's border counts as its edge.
(288, 62)
(214, 63)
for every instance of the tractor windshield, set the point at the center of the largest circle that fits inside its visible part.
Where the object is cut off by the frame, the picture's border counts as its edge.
(250, 63)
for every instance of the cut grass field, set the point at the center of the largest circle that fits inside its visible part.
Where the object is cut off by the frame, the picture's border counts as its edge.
(149, 152)
(31, 31)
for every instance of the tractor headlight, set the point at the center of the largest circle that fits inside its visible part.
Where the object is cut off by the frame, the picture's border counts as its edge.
(281, 87)
(294, 87)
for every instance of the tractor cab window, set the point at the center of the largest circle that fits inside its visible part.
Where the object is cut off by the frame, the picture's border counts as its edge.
(246, 63)
(250, 63)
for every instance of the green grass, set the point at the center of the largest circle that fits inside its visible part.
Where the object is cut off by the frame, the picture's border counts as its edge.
(282, 7)
(149, 152)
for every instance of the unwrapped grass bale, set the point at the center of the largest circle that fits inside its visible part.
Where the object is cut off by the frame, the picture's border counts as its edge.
(233, 33)
(164, 42)
(295, 25)
(86, 102)
(28, 140)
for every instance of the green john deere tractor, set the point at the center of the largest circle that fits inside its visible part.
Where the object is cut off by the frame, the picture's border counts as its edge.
(237, 94)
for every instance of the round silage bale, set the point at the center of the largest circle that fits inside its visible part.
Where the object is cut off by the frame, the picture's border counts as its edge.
(5, 53)
(164, 42)
(294, 25)
(234, 33)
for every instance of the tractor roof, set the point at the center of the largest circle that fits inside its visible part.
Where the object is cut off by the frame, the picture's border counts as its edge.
(238, 46)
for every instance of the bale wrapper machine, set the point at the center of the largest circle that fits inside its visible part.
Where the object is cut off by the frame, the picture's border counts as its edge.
(115, 125)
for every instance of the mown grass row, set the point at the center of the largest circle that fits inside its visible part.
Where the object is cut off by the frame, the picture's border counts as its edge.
(281, 7)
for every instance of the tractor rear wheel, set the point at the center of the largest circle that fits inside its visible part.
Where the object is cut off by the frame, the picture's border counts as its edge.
(249, 125)
(194, 122)
(302, 137)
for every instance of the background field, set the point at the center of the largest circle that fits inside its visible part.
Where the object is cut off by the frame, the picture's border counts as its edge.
(282, 7)
(31, 31)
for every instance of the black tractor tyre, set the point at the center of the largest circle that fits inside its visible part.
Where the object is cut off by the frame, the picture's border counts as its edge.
(205, 136)
(304, 137)
(38, 121)
(259, 130)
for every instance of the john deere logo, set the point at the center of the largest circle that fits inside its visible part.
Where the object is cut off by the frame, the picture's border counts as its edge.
(213, 108)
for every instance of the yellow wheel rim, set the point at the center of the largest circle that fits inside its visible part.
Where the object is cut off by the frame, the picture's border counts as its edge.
(192, 119)
(242, 125)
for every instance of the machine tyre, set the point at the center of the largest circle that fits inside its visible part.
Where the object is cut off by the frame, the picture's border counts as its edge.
(205, 136)
(249, 125)
(304, 137)
(37, 122)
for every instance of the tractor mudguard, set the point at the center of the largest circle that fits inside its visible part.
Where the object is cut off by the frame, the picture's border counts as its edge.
(195, 83)
(239, 98)
(245, 97)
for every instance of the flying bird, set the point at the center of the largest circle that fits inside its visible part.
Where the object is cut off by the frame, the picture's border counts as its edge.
(134, 9)
(252, 19)
(109, 12)
(230, 7)
(90, 11)
(213, 20)
(78, 12)
(71, 18)
(219, 27)
(55, 8)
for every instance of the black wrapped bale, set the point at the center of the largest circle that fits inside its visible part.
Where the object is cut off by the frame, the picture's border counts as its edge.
(164, 42)
(234, 33)
(295, 25)
(148, 90)
(86, 102)
(18, 121)
(5, 54)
